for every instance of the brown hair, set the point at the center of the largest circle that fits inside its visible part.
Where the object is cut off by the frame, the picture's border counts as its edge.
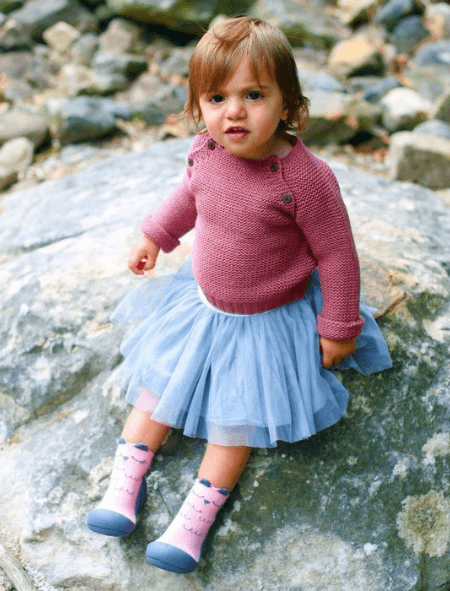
(221, 49)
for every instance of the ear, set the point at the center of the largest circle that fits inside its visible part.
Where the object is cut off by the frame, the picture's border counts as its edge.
(284, 114)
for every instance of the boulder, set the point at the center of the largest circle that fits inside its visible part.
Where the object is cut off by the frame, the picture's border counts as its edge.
(303, 23)
(75, 79)
(17, 91)
(82, 50)
(60, 36)
(429, 81)
(437, 20)
(18, 122)
(420, 158)
(404, 108)
(358, 12)
(319, 82)
(38, 15)
(434, 127)
(122, 36)
(83, 119)
(408, 33)
(362, 505)
(436, 53)
(124, 64)
(358, 56)
(155, 109)
(442, 108)
(15, 156)
(30, 67)
(179, 15)
(14, 37)
(373, 88)
(393, 11)
(337, 117)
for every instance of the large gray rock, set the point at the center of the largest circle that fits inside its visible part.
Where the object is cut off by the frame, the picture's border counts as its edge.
(437, 20)
(404, 108)
(182, 15)
(363, 505)
(302, 23)
(26, 66)
(408, 33)
(435, 53)
(21, 123)
(38, 15)
(434, 127)
(14, 36)
(336, 117)
(84, 119)
(442, 109)
(421, 158)
(393, 11)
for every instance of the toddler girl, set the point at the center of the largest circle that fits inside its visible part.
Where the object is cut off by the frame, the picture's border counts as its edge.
(238, 349)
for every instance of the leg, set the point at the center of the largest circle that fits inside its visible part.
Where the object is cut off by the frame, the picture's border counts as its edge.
(141, 428)
(180, 547)
(127, 491)
(223, 465)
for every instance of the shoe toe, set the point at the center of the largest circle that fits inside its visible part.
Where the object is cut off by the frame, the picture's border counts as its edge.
(170, 558)
(109, 523)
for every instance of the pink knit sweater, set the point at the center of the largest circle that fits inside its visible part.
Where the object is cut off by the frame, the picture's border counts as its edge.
(261, 228)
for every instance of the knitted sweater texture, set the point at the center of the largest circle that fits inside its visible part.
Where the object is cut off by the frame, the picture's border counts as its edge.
(261, 228)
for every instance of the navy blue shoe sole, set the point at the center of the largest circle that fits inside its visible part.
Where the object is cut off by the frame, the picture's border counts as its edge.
(110, 523)
(170, 558)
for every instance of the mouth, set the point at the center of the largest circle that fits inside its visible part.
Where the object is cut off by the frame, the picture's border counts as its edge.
(237, 131)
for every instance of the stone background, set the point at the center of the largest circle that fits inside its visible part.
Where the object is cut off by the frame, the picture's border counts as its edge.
(363, 505)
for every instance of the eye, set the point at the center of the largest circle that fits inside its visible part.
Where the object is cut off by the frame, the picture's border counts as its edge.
(216, 99)
(254, 95)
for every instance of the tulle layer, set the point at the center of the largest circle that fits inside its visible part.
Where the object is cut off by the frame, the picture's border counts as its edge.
(234, 379)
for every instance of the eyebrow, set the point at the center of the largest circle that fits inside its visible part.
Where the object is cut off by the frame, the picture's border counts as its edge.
(246, 88)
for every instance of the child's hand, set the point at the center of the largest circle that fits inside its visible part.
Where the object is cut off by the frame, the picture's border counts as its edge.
(143, 256)
(335, 351)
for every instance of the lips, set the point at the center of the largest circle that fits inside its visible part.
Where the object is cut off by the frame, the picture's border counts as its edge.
(237, 131)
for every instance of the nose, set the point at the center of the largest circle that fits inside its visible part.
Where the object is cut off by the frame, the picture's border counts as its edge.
(236, 109)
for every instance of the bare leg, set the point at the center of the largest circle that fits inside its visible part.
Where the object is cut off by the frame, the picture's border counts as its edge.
(141, 428)
(223, 465)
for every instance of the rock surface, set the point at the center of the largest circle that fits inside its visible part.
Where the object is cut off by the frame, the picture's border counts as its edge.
(361, 505)
(411, 153)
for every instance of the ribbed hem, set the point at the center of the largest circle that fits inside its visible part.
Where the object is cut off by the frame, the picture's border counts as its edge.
(158, 234)
(277, 301)
(339, 331)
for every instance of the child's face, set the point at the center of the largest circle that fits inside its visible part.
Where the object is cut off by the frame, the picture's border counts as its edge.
(243, 116)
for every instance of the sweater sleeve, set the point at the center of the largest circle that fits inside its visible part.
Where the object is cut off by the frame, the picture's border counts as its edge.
(324, 222)
(173, 218)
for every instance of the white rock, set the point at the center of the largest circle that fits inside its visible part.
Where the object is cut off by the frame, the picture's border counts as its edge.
(404, 108)
(437, 20)
(60, 36)
(16, 154)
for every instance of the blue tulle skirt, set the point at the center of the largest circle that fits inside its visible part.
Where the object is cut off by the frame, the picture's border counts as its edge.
(234, 379)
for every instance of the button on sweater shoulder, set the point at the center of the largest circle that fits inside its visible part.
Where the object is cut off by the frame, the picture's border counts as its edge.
(261, 228)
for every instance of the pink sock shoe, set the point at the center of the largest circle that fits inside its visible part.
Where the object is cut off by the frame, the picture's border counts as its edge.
(127, 491)
(179, 548)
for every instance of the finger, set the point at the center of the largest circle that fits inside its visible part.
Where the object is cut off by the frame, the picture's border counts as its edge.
(136, 266)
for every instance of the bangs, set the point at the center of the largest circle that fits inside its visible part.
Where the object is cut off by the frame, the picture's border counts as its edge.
(222, 58)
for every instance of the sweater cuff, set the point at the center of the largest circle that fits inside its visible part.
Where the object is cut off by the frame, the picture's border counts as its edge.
(158, 234)
(339, 331)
